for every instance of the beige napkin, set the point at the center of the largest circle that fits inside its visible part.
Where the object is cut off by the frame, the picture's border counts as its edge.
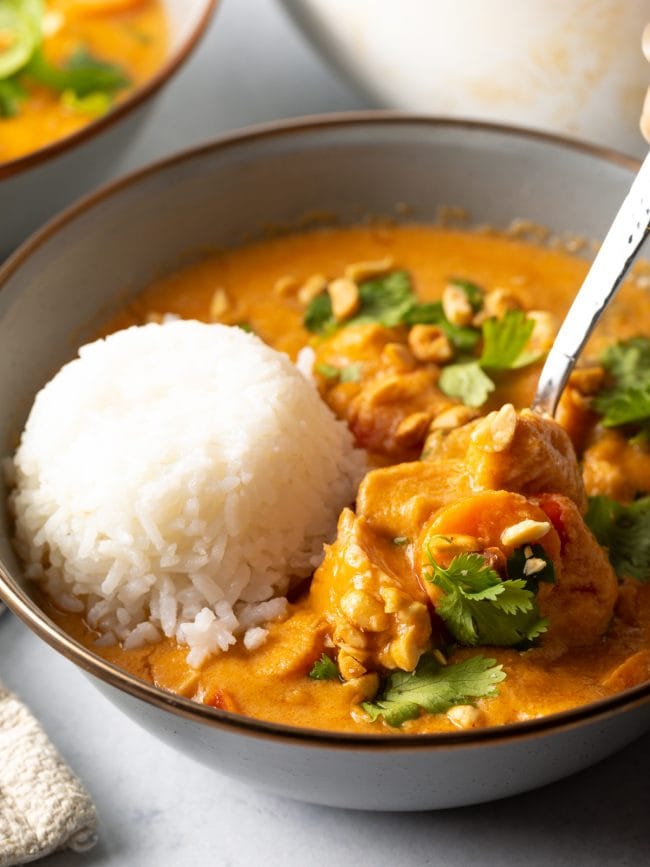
(43, 806)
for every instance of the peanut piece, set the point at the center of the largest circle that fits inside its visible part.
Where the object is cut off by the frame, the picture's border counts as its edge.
(345, 298)
(360, 271)
(311, 288)
(430, 343)
(456, 306)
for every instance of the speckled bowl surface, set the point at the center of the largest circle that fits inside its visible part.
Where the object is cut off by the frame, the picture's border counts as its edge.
(67, 279)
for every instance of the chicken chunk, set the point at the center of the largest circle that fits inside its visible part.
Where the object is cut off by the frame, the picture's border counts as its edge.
(372, 601)
(386, 395)
(616, 467)
(523, 452)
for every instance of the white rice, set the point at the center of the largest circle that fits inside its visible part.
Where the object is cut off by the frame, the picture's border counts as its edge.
(173, 479)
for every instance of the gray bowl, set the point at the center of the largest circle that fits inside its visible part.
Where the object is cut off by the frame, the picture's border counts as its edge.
(65, 280)
(37, 185)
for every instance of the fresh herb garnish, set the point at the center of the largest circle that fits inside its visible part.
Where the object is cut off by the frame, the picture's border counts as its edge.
(625, 532)
(627, 400)
(12, 94)
(245, 326)
(540, 566)
(390, 301)
(479, 608)
(324, 669)
(83, 74)
(504, 342)
(466, 381)
(347, 373)
(434, 688)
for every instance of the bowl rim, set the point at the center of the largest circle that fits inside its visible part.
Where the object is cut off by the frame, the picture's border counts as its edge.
(112, 675)
(140, 94)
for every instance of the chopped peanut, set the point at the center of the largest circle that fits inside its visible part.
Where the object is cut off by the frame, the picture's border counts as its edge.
(454, 417)
(311, 288)
(533, 565)
(497, 430)
(349, 667)
(398, 356)
(464, 716)
(360, 271)
(499, 302)
(524, 533)
(364, 611)
(430, 343)
(345, 297)
(362, 688)
(456, 305)
(219, 304)
(284, 286)
(413, 428)
(544, 331)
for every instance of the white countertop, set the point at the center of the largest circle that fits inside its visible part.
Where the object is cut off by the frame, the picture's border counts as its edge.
(158, 808)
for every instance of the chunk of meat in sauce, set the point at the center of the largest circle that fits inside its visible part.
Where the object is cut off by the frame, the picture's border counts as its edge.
(378, 548)
(393, 398)
(372, 601)
(615, 467)
(579, 605)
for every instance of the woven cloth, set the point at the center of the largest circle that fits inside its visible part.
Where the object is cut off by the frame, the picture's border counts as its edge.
(43, 806)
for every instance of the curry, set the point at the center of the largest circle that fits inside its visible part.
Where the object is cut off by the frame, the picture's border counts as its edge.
(483, 575)
(66, 62)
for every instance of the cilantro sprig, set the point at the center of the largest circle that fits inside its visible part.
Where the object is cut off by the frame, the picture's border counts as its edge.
(390, 301)
(324, 669)
(625, 532)
(479, 608)
(434, 688)
(504, 343)
(347, 373)
(627, 399)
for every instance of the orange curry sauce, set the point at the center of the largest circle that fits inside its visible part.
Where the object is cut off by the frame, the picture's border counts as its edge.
(272, 682)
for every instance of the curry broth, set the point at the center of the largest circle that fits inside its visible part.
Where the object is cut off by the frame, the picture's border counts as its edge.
(134, 37)
(271, 682)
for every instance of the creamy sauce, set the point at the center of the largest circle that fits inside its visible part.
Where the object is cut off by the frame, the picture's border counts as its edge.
(271, 682)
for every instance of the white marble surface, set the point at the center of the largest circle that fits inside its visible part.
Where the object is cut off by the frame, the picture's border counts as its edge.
(158, 808)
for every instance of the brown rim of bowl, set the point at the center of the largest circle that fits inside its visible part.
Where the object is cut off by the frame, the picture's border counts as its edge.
(29, 612)
(12, 168)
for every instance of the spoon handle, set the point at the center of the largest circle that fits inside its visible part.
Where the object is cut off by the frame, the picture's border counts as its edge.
(616, 254)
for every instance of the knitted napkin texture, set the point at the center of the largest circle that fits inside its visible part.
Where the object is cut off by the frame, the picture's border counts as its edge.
(43, 806)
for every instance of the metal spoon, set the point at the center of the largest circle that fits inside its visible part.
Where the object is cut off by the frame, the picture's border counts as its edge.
(617, 252)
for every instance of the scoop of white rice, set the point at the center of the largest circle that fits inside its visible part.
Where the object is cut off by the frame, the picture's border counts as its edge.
(173, 479)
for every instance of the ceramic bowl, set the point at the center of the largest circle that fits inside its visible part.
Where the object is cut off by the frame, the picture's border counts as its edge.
(574, 67)
(59, 286)
(36, 186)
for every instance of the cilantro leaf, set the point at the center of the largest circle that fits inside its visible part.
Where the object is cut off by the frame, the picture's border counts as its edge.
(466, 381)
(386, 300)
(390, 301)
(504, 341)
(324, 669)
(434, 688)
(12, 94)
(624, 405)
(625, 532)
(83, 74)
(347, 373)
(479, 608)
(462, 337)
(516, 566)
(319, 316)
(473, 292)
(627, 401)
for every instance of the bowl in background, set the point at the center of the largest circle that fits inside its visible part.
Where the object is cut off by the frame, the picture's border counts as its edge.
(53, 296)
(35, 186)
(574, 68)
